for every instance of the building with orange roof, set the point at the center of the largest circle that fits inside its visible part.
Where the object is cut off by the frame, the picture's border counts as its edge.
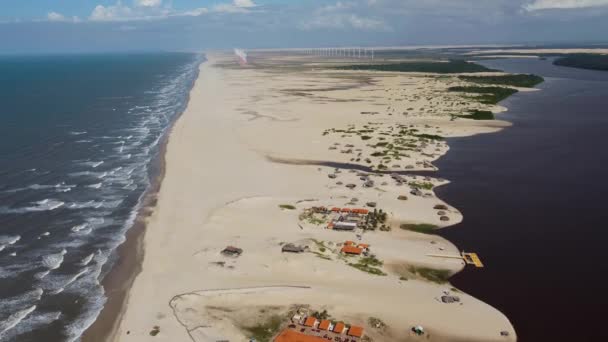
(324, 325)
(335, 209)
(294, 336)
(310, 321)
(349, 243)
(339, 328)
(363, 245)
(345, 210)
(351, 250)
(355, 331)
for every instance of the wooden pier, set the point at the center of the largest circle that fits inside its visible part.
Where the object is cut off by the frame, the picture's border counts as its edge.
(469, 258)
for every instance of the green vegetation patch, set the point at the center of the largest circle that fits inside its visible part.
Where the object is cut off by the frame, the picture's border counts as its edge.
(424, 228)
(370, 265)
(519, 80)
(431, 274)
(421, 185)
(584, 61)
(449, 67)
(287, 206)
(264, 332)
(487, 95)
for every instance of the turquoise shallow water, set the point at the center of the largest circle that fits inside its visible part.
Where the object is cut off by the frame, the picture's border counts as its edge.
(79, 136)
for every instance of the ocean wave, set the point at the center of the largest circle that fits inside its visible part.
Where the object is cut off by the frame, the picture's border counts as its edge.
(44, 205)
(94, 204)
(15, 319)
(93, 164)
(60, 187)
(87, 260)
(99, 175)
(6, 240)
(32, 322)
(53, 261)
(94, 186)
(17, 308)
(78, 133)
(61, 283)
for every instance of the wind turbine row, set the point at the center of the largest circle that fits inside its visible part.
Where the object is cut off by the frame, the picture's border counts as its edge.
(342, 52)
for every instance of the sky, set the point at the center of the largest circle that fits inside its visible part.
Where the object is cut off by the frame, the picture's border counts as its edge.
(54, 26)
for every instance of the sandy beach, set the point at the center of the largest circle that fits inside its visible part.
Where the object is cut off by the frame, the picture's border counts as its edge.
(245, 165)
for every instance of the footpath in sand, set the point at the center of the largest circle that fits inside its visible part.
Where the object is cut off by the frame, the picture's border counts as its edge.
(245, 165)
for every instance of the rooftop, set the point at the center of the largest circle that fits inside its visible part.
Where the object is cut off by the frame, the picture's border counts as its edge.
(294, 336)
(351, 250)
(310, 321)
(355, 331)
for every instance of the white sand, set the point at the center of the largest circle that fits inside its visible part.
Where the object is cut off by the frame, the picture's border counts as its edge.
(220, 189)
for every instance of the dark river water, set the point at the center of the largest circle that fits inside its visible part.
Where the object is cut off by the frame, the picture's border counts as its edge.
(534, 202)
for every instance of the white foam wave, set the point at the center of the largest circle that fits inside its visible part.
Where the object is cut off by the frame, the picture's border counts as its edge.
(53, 261)
(93, 164)
(15, 319)
(32, 322)
(78, 133)
(41, 275)
(60, 187)
(87, 259)
(95, 204)
(44, 205)
(6, 240)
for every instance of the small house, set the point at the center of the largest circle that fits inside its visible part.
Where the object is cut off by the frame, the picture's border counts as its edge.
(351, 250)
(325, 325)
(355, 331)
(339, 328)
(310, 321)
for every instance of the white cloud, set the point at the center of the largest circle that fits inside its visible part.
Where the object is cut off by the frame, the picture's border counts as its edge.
(148, 3)
(143, 10)
(345, 21)
(237, 6)
(54, 16)
(244, 3)
(111, 13)
(563, 4)
(58, 17)
(195, 12)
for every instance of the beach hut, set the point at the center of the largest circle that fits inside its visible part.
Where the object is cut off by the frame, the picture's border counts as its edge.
(355, 331)
(339, 328)
(351, 250)
(310, 321)
(325, 324)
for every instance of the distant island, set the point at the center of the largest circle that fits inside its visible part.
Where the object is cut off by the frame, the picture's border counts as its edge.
(584, 61)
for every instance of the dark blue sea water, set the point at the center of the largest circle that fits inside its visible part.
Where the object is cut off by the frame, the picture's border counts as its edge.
(533, 198)
(79, 138)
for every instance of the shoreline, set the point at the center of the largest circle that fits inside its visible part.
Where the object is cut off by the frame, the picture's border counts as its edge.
(135, 327)
(118, 282)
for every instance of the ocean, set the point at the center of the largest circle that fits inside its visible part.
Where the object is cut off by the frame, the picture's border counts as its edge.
(80, 137)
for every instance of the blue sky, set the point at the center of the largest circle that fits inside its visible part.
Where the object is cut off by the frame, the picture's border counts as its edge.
(112, 25)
